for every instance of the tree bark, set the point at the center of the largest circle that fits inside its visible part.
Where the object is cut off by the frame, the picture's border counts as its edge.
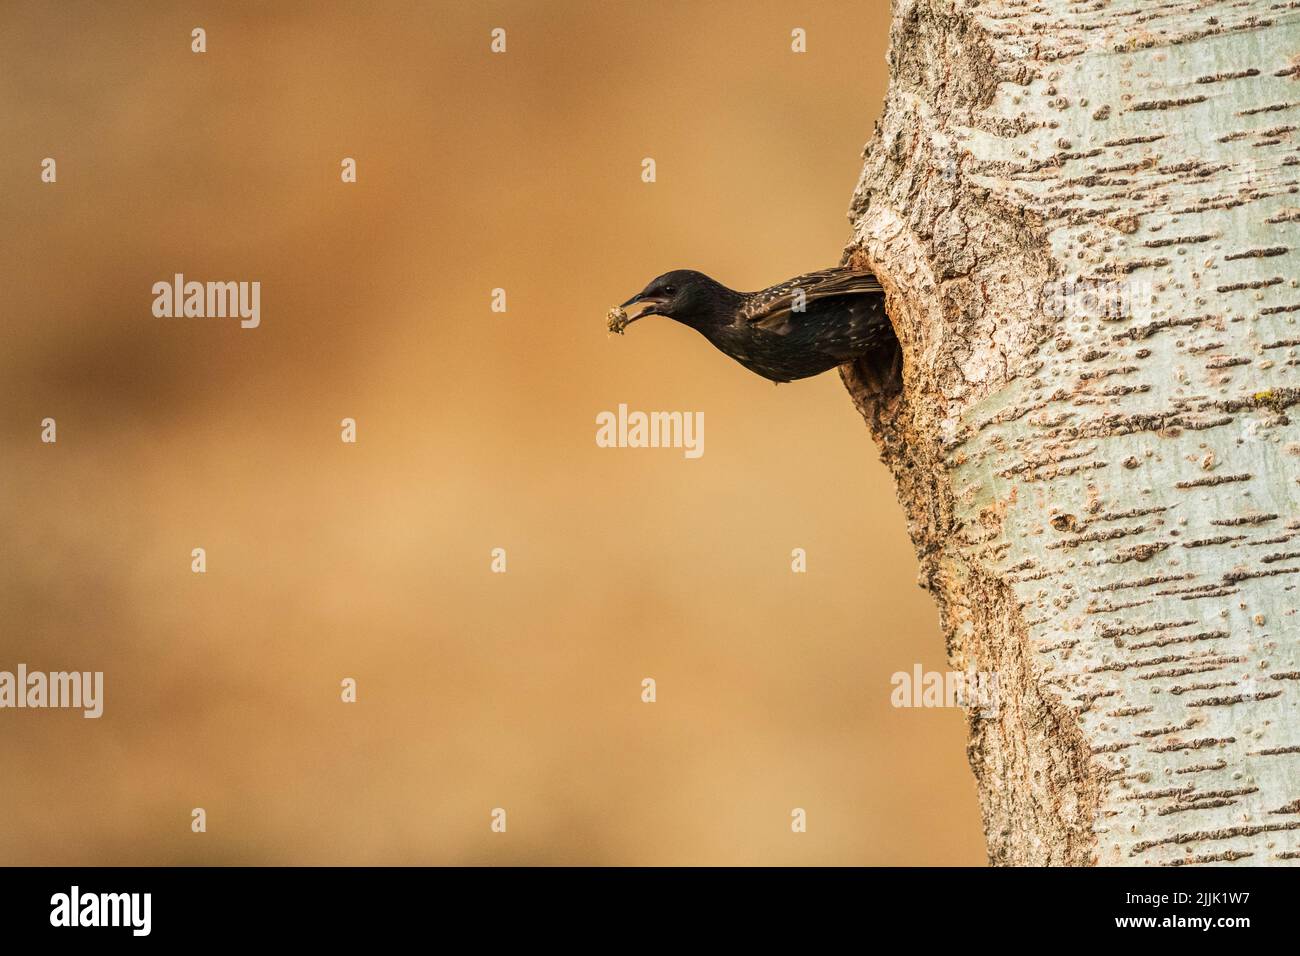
(1086, 217)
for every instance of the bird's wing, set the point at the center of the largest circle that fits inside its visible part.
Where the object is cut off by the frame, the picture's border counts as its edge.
(780, 308)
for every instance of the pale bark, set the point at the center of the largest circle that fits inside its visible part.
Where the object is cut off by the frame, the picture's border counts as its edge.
(1102, 490)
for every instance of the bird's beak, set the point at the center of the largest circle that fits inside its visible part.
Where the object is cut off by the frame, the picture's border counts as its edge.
(651, 302)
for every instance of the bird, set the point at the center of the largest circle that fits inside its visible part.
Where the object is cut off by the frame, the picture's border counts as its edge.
(793, 330)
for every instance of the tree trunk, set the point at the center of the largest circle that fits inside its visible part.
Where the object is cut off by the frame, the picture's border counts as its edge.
(1087, 220)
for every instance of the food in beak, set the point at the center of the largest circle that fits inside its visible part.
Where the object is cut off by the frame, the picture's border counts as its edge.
(616, 320)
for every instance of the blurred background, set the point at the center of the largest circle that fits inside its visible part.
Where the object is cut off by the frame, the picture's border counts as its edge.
(475, 431)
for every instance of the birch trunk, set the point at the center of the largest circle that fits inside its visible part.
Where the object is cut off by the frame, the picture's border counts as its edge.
(1087, 220)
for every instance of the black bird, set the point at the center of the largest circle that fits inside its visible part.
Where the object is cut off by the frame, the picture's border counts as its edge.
(802, 327)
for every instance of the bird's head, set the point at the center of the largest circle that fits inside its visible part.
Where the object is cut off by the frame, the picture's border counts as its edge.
(689, 297)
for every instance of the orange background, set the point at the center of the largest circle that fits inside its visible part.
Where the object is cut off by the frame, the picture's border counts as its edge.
(476, 430)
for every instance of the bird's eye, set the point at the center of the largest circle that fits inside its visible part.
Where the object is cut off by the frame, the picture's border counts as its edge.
(669, 290)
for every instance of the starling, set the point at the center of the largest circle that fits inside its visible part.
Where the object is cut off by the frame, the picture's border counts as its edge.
(802, 327)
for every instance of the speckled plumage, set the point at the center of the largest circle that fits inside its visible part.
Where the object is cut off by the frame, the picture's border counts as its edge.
(774, 332)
